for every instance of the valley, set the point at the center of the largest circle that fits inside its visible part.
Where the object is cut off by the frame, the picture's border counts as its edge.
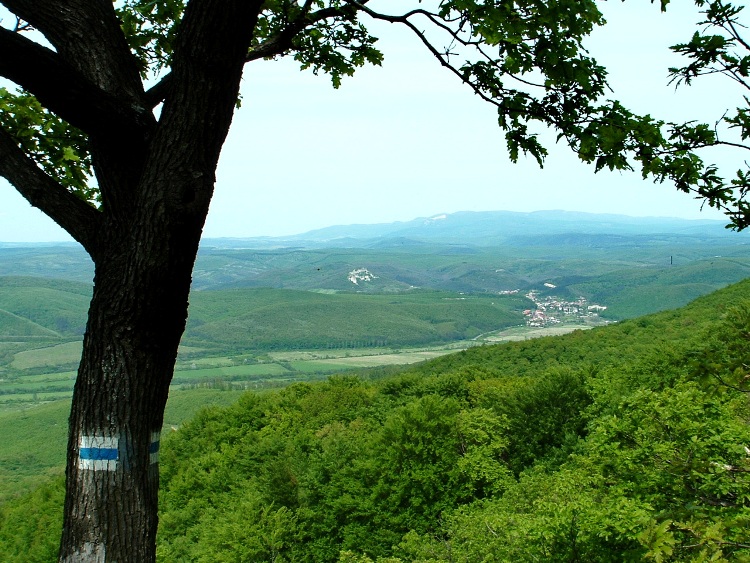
(268, 312)
(544, 437)
(316, 366)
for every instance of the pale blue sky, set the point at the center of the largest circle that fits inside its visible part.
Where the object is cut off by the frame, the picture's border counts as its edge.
(408, 140)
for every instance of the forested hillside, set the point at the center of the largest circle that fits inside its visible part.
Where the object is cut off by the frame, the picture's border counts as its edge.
(624, 443)
(268, 319)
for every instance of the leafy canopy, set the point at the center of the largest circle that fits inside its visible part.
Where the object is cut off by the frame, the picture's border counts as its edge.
(524, 56)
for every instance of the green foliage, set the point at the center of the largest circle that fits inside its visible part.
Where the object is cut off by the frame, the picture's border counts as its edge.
(253, 531)
(682, 453)
(336, 49)
(419, 457)
(328, 40)
(59, 149)
(625, 443)
(722, 361)
(662, 476)
(621, 451)
(30, 526)
(537, 48)
(531, 38)
(548, 417)
(150, 29)
(550, 517)
(716, 48)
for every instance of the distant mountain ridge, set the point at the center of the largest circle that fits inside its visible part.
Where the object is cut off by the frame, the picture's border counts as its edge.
(489, 228)
(471, 228)
(475, 252)
(633, 266)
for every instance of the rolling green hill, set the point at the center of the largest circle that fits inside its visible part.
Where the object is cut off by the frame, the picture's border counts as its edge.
(426, 281)
(15, 327)
(475, 270)
(631, 293)
(282, 319)
(315, 304)
(60, 261)
(40, 317)
(57, 307)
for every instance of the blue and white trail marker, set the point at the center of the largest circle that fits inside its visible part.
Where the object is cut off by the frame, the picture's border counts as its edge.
(98, 453)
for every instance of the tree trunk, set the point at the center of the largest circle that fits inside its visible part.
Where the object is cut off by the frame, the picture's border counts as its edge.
(155, 178)
(136, 318)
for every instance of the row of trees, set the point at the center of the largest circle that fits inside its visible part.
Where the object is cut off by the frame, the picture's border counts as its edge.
(115, 131)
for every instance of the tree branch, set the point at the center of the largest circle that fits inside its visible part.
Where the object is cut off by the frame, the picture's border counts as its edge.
(734, 33)
(64, 91)
(282, 41)
(73, 214)
(158, 92)
(87, 35)
(208, 59)
(276, 45)
(442, 59)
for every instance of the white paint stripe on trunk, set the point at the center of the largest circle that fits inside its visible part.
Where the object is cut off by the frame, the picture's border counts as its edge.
(98, 464)
(95, 441)
(98, 453)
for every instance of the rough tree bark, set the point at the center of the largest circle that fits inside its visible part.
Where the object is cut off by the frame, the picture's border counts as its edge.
(156, 179)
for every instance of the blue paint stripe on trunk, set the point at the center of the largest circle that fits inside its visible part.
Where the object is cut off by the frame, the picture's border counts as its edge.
(98, 453)
(153, 447)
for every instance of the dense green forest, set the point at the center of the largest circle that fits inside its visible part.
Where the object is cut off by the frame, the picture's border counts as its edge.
(257, 319)
(623, 443)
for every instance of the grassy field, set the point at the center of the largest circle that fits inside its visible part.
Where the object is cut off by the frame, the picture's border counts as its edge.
(276, 369)
(59, 354)
(519, 334)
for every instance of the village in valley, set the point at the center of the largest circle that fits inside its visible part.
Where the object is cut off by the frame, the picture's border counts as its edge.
(551, 310)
